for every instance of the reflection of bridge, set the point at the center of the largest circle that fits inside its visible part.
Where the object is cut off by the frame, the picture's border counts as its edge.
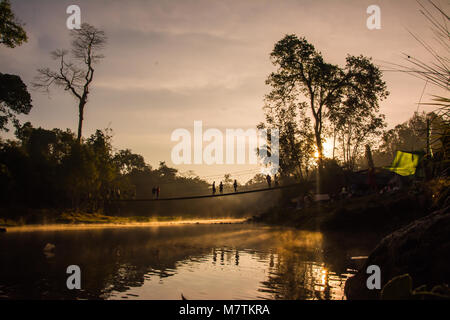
(212, 195)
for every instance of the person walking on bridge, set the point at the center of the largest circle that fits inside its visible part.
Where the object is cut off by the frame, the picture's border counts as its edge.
(221, 187)
(214, 188)
(269, 181)
(235, 185)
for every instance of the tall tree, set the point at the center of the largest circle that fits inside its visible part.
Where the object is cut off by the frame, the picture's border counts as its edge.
(12, 33)
(14, 97)
(75, 76)
(303, 74)
(357, 118)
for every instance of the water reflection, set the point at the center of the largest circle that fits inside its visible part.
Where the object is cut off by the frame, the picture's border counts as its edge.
(200, 261)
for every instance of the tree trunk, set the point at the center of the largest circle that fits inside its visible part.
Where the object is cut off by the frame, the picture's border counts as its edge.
(319, 148)
(317, 130)
(429, 150)
(80, 120)
(334, 140)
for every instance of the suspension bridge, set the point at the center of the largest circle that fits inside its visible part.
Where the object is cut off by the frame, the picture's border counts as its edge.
(211, 195)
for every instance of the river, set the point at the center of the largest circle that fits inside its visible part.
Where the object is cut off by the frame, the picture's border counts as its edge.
(200, 261)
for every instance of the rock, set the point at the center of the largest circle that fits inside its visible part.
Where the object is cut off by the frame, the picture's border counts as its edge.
(49, 247)
(420, 249)
(49, 250)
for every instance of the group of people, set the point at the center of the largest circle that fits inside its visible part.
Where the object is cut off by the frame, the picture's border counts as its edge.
(269, 180)
(235, 184)
(155, 192)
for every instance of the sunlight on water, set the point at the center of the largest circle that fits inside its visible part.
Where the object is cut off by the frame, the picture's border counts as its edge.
(238, 275)
(82, 226)
(200, 261)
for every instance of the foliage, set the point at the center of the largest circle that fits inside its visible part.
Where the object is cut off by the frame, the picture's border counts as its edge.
(356, 119)
(14, 99)
(330, 92)
(12, 33)
(48, 170)
(296, 140)
(410, 136)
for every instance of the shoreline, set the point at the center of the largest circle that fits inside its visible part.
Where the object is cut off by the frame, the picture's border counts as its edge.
(100, 225)
(371, 213)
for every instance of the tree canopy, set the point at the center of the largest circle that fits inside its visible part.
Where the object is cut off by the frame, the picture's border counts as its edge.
(14, 99)
(304, 81)
(12, 33)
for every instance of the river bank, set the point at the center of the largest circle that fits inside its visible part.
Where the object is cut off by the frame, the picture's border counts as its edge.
(375, 213)
(413, 226)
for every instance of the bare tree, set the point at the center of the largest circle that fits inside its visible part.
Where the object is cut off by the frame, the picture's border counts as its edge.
(75, 76)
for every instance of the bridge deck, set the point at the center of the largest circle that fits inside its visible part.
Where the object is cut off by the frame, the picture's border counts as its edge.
(211, 195)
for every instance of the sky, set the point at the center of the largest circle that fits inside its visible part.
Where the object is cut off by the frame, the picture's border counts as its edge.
(170, 63)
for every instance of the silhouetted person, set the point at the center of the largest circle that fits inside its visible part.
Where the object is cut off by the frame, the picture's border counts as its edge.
(157, 192)
(275, 180)
(221, 187)
(269, 181)
(235, 185)
(214, 188)
(154, 192)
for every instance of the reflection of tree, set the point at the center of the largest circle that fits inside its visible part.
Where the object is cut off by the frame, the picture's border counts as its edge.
(312, 267)
(295, 276)
(115, 260)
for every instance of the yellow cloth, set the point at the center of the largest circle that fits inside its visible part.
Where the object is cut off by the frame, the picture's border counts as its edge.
(405, 163)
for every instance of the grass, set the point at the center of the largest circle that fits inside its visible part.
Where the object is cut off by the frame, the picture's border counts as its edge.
(9, 223)
(97, 218)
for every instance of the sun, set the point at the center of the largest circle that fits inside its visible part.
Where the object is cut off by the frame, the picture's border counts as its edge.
(328, 148)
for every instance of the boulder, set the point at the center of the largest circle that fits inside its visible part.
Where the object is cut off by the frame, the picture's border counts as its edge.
(420, 249)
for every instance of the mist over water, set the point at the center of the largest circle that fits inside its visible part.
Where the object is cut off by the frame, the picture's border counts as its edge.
(200, 261)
